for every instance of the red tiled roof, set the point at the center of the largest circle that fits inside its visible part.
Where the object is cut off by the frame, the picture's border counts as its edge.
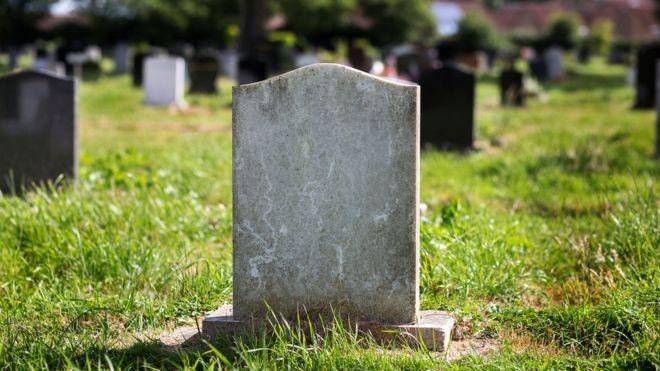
(633, 19)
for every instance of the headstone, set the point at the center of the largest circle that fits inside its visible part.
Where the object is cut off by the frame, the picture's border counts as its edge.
(538, 67)
(448, 108)
(164, 81)
(326, 195)
(359, 59)
(37, 130)
(229, 63)
(44, 62)
(554, 57)
(137, 74)
(511, 88)
(326, 204)
(251, 70)
(646, 74)
(657, 108)
(121, 56)
(203, 71)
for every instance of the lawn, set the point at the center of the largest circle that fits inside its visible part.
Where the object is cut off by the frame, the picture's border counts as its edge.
(544, 242)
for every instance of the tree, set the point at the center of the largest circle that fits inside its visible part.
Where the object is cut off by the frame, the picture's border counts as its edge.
(162, 21)
(320, 20)
(18, 23)
(398, 21)
(600, 37)
(563, 30)
(475, 33)
(382, 22)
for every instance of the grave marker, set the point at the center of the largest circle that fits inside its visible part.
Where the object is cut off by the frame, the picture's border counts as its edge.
(448, 108)
(657, 109)
(121, 55)
(511, 88)
(326, 200)
(164, 81)
(203, 70)
(251, 70)
(554, 59)
(646, 74)
(37, 130)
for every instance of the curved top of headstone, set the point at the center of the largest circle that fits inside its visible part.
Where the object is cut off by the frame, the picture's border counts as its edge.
(38, 73)
(313, 69)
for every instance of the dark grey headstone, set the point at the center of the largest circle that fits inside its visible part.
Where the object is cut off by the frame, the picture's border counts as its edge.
(511, 88)
(251, 70)
(137, 73)
(539, 69)
(645, 86)
(203, 71)
(448, 108)
(37, 130)
(657, 109)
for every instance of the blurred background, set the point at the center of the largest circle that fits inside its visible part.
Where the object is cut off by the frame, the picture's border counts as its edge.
(254, 39)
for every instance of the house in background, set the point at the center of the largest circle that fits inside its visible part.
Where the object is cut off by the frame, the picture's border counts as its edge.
(634, 20)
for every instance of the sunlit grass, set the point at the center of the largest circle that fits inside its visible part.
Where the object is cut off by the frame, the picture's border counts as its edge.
(546, 239)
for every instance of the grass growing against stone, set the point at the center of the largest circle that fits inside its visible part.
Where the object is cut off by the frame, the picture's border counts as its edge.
(546, 241)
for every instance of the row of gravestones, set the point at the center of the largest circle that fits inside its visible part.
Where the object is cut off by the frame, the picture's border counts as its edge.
(326, 190)
(38, 112)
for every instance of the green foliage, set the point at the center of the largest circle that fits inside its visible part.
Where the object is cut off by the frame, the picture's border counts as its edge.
(163, 21)
(475, 33)
(318, 20)
(388, 22)
(599, 39)
(18, 19)
(398, 21)
(563, 30)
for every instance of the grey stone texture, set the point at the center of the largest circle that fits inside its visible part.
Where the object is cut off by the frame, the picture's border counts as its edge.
(38, 134)
(325, 185)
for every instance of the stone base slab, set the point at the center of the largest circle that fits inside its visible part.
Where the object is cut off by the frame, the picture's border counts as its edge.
(432, 331)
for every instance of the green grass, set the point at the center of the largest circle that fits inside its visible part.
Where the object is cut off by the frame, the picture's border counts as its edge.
(547, 239)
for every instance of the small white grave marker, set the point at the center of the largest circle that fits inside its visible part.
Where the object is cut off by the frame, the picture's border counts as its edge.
(164, 81)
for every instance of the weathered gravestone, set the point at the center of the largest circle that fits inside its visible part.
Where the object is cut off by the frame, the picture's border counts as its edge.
(326, 196)
(448, 108)
(511, 88)
(645, 76)
(164, 81)
(203, 71)
(37, 130)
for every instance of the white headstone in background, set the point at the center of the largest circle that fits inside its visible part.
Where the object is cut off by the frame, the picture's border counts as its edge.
(164, 81)
(554, 60)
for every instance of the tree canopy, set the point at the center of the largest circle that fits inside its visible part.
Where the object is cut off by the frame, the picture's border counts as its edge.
(18, 19)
